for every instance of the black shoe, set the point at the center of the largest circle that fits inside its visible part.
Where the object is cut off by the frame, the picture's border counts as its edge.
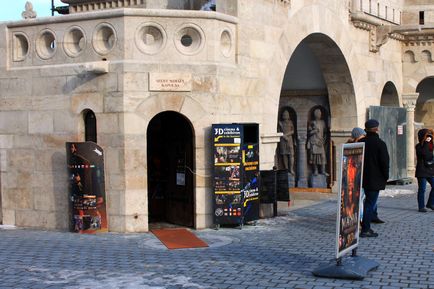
(430, 207)
(368, 234)
(378, 221)
(423, 210)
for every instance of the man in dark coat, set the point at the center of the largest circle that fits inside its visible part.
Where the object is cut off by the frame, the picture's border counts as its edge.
(375, 174)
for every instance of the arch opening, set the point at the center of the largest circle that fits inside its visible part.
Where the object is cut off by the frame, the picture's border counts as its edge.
(317, 78)
(389, 95)
(90, 133)
(170, 150)
(424, 112)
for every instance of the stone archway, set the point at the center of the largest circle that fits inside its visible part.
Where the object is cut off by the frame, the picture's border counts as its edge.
(424, 112)
(170, 151)
(389, 95)
(317, 75)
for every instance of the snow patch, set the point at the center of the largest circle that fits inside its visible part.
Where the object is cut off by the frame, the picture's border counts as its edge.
(107, 280)
(390, 193)
(7, 227)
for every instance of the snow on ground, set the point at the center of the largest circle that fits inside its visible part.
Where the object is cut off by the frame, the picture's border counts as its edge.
(7, 227)
(395, 192)
(107, 280)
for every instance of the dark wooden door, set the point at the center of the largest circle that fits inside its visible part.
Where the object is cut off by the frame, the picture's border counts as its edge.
(170, 141)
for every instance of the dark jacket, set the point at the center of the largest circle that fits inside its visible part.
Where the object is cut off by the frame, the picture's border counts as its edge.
(376, 164)
(424, 153)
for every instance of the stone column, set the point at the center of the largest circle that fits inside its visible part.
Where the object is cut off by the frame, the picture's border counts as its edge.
(301, 161)
(356, 6)
(409, 101)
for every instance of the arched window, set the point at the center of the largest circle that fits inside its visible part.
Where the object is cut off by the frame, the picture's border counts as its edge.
(89, 126)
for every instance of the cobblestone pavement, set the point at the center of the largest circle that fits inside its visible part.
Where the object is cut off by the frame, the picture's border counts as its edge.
(276, 253)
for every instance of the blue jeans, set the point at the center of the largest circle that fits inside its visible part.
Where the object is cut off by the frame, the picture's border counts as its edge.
(371, 198)
(421, 192)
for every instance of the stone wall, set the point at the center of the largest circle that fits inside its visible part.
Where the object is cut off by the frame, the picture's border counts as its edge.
(109, 61)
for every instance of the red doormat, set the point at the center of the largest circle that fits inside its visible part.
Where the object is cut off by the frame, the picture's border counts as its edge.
(178, 238)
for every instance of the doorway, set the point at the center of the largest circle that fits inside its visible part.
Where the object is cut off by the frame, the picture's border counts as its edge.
(170, 170)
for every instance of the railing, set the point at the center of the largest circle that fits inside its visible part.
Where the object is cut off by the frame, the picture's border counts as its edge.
(84, 7)
(377, 9)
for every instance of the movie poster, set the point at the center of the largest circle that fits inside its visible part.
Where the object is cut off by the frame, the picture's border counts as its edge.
(350, 186)
(227, 174)
(236, 173)
(250, 190)
(85, 162)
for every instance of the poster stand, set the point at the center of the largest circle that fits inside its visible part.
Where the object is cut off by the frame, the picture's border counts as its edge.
(354, 268)
(236, 173)
(348, 219)
(87, 198)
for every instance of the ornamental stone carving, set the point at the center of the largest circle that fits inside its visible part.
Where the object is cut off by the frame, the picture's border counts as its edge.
(28, 13)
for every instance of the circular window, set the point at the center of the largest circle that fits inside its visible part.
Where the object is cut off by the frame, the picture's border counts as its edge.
(104, 38)
(186, 40)
(226, 43)
(21, 46)
(150, 38)
(189, 39)
(46, 44)
(74, 41)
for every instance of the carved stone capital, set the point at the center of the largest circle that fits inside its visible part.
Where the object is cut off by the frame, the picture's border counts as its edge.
(302, 138)
(409, 101)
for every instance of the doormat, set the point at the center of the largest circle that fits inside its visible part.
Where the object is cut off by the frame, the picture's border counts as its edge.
(178, 238)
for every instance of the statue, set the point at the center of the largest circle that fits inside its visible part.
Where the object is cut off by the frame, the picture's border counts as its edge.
(209, 6)
(29, 13)
(316, 143)
(286, 144)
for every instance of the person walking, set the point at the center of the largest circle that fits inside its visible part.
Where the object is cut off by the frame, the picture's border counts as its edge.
(375, 174)
(425, 168)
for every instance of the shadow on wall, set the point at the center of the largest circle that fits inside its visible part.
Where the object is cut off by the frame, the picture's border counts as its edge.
(60, 191)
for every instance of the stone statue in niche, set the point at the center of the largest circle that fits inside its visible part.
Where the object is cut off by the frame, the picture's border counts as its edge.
(287, 143)
(317, 131)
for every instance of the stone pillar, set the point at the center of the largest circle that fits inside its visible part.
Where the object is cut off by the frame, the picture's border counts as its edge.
(356, 6)
(267, 149)
(409, 101)
(301, 161)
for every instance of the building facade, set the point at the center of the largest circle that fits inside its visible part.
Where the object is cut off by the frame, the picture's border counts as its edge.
(155, 75)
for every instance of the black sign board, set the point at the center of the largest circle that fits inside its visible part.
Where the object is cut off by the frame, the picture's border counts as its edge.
(236, 173)
(274, 186)
(85, 161)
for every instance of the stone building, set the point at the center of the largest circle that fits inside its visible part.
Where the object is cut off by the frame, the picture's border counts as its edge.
(154, 75)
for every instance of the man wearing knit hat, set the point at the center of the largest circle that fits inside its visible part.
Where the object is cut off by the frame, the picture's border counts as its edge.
(375, 174)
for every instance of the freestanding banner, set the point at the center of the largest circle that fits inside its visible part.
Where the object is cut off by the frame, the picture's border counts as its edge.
(348, 219)
(350, 186)
(236, 173)
(85, 162)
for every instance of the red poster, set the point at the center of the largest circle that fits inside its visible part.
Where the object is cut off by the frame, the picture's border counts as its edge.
(348, 219)
(87, 189)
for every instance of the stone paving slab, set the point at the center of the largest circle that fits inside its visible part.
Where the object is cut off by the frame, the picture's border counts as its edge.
(276, 253)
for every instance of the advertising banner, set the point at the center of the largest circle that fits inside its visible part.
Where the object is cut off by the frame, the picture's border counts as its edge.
(350, 186)
(250, 189)
(85, 161)
(227, 177)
